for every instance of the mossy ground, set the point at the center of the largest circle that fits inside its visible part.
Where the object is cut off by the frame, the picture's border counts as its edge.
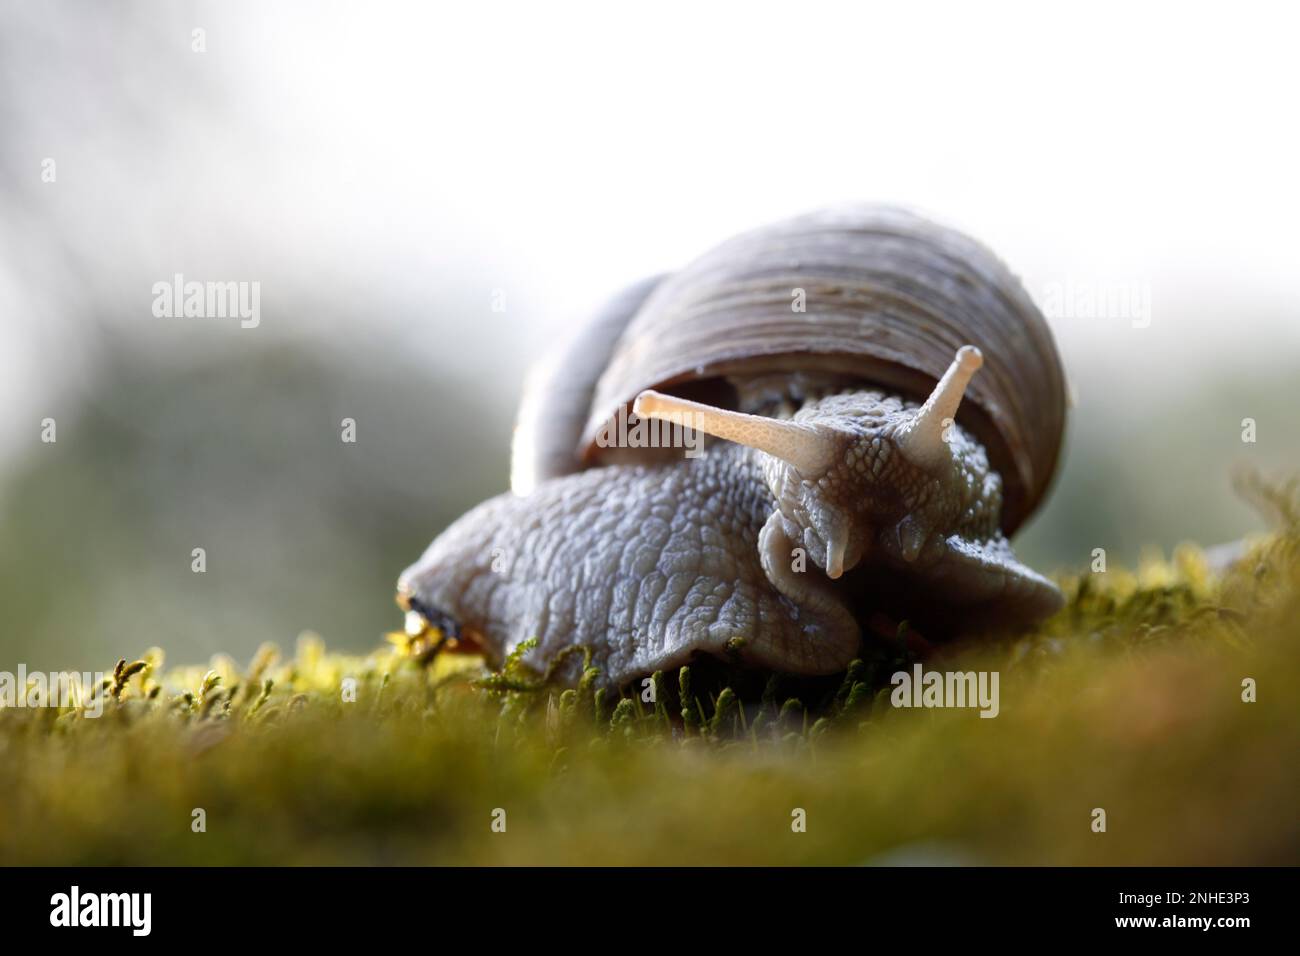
(1130, 700)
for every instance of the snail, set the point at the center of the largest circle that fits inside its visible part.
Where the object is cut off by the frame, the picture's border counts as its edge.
(884, 406)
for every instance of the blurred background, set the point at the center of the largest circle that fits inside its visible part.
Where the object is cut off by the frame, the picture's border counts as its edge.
(428, 196)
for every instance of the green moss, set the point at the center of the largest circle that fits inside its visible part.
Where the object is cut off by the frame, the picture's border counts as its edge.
(1129, 700)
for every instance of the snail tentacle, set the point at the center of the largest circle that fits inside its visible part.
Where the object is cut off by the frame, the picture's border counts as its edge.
(923, 440)
(801, 446)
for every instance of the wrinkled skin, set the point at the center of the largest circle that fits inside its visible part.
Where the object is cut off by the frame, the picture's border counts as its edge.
(644, 565)
(651, 565)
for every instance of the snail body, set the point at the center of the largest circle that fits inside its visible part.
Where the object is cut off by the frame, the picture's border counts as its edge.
(832, 487)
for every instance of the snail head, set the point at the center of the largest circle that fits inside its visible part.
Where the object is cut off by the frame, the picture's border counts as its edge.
(859, 473)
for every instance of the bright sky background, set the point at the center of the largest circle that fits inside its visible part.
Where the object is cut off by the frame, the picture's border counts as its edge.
(371, 155)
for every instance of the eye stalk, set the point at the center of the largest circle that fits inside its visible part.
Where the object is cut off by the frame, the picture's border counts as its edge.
(802, 446)
(922, 439)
